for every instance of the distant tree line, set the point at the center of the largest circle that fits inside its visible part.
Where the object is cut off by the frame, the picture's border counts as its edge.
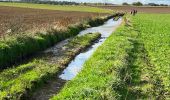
(75, 3)
(92, 4)
(154, 4)
(43, 2)
(134, 4)
(54, 2)
(51, 2)
(141, 4)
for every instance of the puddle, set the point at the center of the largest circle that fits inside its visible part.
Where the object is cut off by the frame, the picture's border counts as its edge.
(76, 65)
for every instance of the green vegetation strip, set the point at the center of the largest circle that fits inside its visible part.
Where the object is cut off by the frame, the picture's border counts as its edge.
(16, 83)
(57, 7)
(149, 65)
(154, 33)
(15, 48)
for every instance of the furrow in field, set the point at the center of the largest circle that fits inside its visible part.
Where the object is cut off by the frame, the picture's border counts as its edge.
(140, 77)
(143, 83)
(154, 33)
(144, 78)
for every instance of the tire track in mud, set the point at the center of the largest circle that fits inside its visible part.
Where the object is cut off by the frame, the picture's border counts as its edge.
(52, 87)
(140, 76)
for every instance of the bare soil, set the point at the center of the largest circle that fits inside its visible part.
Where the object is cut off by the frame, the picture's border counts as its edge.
(24, 19)
(140, 9)
(50, 89)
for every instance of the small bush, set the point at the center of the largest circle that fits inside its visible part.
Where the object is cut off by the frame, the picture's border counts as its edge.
(125, 3)
(137, 4)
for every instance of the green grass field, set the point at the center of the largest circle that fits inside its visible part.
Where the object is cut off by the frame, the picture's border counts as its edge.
(58, 7)
(133, 63)
(154, 33)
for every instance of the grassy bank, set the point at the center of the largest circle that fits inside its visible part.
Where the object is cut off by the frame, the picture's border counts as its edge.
(21, 81)
(16, 48)
(102, 75)
(57, 7)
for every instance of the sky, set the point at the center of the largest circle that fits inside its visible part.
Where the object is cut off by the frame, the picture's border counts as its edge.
(121, 1)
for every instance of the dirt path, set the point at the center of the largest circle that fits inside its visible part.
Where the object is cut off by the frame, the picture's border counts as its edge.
(52, 87)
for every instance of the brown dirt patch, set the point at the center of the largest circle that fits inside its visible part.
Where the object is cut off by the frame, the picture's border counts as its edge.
(24, 19)
(140, 9)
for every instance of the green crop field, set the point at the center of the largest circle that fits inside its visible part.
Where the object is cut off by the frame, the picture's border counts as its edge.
(153, 30)
(58, 7)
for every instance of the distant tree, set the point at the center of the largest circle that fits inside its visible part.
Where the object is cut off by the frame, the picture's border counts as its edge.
(125, 3)
(137, 4)
(163, 5)
(85, 3)
(153, 4)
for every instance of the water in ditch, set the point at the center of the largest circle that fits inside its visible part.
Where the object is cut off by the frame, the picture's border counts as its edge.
(76, 65)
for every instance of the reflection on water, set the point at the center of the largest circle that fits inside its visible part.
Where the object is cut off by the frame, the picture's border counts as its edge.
(76, 65)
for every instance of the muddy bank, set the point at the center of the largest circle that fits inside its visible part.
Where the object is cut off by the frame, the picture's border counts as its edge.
(61, 54)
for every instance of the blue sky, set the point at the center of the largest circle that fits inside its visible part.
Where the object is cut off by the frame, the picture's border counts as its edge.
(120, 1)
